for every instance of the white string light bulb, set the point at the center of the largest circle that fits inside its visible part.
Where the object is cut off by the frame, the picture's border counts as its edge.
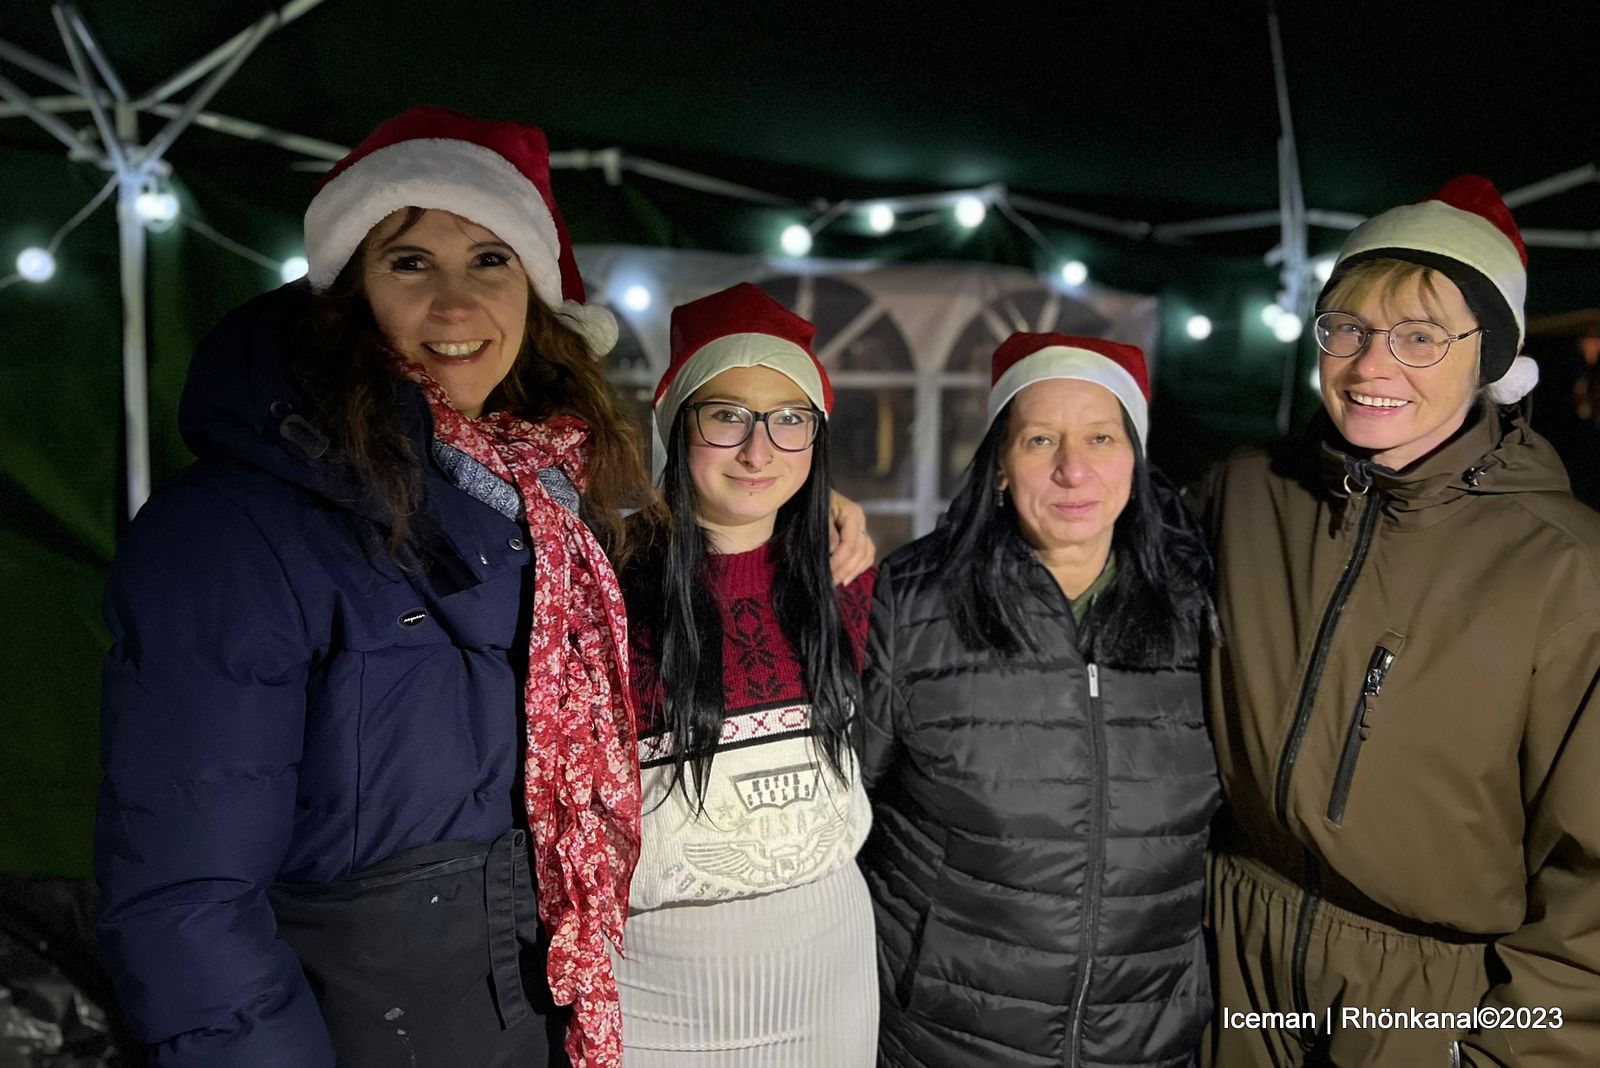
(294, 268)
(636, 298)
(795, 240)
(1286, 328)
(880, 218)
(1198, 327)
(36, 265)
(155, 207)
(1271, 314)
(970, 211)
(1074, 272)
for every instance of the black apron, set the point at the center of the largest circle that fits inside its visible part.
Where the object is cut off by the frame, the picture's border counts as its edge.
(431, 959)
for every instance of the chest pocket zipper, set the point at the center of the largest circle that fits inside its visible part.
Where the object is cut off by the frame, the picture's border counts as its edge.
(1362, 721)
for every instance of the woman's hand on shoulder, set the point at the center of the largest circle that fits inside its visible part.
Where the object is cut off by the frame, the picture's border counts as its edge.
(850, 548)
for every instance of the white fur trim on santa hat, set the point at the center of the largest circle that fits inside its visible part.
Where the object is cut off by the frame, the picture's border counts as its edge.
(1516, 383)
(1436, 227)
(1061, 361)
(723, 354)
(467, 179)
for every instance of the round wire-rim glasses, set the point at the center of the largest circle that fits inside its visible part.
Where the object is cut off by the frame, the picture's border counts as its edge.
(1414, 342)
(727, 425)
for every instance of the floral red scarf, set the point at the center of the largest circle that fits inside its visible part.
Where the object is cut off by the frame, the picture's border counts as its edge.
(582, 774)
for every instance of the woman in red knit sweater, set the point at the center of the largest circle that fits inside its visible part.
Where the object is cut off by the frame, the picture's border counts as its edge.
(751, 940)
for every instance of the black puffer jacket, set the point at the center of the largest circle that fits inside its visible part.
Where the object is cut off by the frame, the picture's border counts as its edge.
(1036, 861)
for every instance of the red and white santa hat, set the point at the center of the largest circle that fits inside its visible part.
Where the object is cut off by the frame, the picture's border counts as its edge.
(1023, 359)
(1466, 233)
(736, 327)
(496, 174)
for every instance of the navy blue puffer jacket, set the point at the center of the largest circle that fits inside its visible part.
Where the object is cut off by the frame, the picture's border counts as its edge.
(284, 705)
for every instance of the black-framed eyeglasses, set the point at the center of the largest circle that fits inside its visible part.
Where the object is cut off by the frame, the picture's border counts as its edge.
(727, 425)
(1415, 342)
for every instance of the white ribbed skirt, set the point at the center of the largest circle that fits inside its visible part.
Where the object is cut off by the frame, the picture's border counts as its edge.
(783, 980)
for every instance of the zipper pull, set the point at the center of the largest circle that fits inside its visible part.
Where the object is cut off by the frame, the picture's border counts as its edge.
(1357, 477)
(1094, 681)
(1377, 671)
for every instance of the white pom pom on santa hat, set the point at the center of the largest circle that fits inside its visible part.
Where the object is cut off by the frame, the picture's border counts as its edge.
(595, 323)
(1516, 383)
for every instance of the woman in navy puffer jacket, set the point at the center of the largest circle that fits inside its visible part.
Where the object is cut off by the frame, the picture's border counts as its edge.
(369, 653)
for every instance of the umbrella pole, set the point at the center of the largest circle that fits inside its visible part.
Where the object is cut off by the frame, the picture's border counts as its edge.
(135, 390)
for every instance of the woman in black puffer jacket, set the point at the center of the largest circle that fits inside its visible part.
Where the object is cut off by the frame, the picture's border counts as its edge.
(1041, 775)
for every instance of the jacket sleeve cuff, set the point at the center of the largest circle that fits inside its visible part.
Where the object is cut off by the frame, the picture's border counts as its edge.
(282, 1032)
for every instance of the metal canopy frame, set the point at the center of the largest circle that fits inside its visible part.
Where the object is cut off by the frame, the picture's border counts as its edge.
(92, 85)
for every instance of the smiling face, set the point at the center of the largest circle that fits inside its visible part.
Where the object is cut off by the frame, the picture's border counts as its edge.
(1400, 414)
(1068, 466)
(450, 295)
(740, 489)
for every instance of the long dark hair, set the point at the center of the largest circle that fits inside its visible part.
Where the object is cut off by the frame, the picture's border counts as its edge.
(668, 593)
(1148, 616)
(341, 363)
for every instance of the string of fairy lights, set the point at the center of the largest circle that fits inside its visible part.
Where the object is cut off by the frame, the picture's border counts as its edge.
(146, 200)
(159, 209)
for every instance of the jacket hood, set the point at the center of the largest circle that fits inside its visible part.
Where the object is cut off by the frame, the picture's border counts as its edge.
(239, 403)
(1493, 453)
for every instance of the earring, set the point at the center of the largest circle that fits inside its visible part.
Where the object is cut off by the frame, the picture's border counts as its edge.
(999, 496)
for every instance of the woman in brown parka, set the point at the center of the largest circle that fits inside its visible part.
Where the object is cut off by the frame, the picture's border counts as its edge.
(1405, 704)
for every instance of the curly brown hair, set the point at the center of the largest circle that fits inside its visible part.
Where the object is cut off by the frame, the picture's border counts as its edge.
(342, 365)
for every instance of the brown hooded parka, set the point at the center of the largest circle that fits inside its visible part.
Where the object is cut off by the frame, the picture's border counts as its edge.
(1406, 710)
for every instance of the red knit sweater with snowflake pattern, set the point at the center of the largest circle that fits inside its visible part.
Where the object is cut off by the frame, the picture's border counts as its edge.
(774, 816)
